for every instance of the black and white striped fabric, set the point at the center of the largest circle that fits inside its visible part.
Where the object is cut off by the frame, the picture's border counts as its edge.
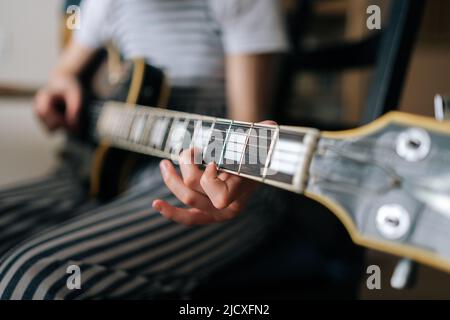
(123, 248)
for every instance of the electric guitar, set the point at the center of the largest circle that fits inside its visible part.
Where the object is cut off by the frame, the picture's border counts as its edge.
(388, 182)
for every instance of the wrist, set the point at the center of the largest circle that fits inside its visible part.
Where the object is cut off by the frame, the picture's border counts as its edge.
(61, 79)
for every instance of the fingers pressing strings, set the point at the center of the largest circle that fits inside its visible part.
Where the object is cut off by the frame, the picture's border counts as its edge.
(233, 194)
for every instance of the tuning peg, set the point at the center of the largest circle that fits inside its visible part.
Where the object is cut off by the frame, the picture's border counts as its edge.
(441, 108)
(404, 275)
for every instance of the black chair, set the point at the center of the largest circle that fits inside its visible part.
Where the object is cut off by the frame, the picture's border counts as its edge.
(387, 51)
(311, 255)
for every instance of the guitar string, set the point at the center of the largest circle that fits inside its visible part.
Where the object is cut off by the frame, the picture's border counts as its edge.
(235, 152)
(230, 142)
(244, 134)
(368, 142)
(351, 144)
(245, 146)
(389, 171)
(397, 179)
(354, 143)
(227, 163)
(256, 126)
(237, 143)
(250, 145)
(345, 186)
(329, 183)
(228, 150)
(348, 155)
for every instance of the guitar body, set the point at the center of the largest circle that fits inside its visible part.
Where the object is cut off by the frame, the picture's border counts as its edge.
(135, 82)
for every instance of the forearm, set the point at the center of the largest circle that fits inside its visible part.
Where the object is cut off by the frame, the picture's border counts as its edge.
(250, 81)
(72, 61)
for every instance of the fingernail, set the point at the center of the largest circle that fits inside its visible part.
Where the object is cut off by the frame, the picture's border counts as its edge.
(156, 206)
(212, 163)
(163, 166)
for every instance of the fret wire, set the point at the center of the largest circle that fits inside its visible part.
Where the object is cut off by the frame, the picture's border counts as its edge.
(252, 125)
(185, 124)
(227, 137)
(242, 134)
(210, 136)
(148, 128)
(235, 142)
(257, 145)
(163, 124)
(120, 127)
(245, 144)
(233, 151)
(151, 128)
(282, 160)
(240, 125)
(197, 126)
(222, 131)
(116, 126)
(136, 146)
(123, 127)
(169, 135)
(142, 131)
(274, 140)
(167, 154)
(99, 106)
(167, 115)
(133, 117)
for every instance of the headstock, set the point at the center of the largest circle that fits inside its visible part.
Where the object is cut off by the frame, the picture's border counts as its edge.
(389, 184)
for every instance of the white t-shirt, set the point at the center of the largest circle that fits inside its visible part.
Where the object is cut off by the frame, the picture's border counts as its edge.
(186, 38)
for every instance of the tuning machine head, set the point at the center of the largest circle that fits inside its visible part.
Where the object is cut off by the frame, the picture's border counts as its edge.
(393, 221)
(413, 144)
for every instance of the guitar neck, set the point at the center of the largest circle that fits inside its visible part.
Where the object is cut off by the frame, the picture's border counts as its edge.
(275, 155)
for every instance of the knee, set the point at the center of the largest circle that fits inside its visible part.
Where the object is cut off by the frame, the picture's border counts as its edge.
(32, 274)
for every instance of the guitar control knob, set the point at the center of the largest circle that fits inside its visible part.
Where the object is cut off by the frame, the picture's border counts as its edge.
(393, 221)
(413, 144)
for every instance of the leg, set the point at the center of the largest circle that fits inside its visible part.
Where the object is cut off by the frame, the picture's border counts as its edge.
(35, 205)
(126, 250)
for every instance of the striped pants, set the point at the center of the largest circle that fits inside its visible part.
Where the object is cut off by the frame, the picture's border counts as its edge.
(123, 248)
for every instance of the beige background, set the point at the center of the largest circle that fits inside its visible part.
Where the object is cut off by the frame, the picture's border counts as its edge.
(28, 39)
(28, 48)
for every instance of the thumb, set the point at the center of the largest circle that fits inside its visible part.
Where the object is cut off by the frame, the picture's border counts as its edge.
(72, 97)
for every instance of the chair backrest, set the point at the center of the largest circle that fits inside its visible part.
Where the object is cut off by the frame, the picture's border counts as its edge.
(393, 58)
(386, 51)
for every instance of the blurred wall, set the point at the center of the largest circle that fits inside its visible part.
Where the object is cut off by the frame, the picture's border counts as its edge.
(428, 74)
(29, 42)
(26, 150)
(429, 71)
(29, 37)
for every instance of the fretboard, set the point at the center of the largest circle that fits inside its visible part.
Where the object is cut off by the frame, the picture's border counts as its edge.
(275, 155)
